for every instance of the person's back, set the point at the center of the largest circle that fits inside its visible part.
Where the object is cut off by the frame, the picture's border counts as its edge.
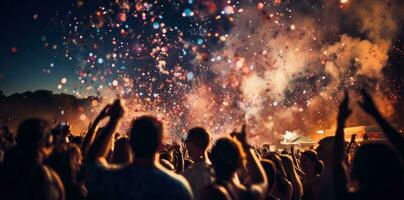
(325, 186)
(378, 172)
(132, 182)
(145, 178)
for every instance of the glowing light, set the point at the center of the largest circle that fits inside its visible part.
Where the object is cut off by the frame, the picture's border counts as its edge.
(228, 10)
(260, 6)
(187, 13)
(94, 102)
(190, 76)
(13, 50)
(100, 60)
(344, 1)
(156, 25)
(63, 80)
(199, 41)
(114, 83)
(240, 63)
(83, 117)
(122, 17)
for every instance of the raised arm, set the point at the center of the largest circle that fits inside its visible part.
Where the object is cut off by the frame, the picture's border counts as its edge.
(351, 142)
(392, 135)
(340, 181)
(256, 172)
(89, 138)
(103, 142)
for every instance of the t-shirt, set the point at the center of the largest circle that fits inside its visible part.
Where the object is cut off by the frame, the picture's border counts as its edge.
(199, 176)
(131, 182)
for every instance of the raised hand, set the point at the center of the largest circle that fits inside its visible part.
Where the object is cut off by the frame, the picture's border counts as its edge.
(90, 135)
(104, 112)
(116, 110)
(340, 182)
(367, 103)
(241, 136)
(103, 142)
(392, 135)
(344, 110)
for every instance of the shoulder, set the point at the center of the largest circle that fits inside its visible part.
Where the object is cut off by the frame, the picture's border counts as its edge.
(46, 182)
(215, 192)
(99, 174)
(176, 183)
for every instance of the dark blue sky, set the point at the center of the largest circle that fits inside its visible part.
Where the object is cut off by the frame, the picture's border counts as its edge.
(26, 24)
(23, 70)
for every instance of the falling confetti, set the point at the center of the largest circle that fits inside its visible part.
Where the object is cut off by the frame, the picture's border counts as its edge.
(271, 64)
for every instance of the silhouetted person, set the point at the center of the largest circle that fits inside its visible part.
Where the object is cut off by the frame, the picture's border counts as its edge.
(227, 158)
(24, 176)
(283, 188)
(293, 177)
(66, 161)
(122, 154)
(200, 174)
(312, 168)
(145, 178)
(271, 173)
(325, 189)
(376, 171)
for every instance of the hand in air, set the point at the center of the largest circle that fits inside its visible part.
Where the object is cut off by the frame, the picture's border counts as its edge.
(367, 103)
(240, 136)
(344, 110)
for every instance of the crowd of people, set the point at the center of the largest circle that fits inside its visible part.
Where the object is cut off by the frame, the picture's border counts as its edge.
(39, 162)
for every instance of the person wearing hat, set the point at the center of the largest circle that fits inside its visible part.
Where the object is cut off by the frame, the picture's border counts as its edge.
(200, 174)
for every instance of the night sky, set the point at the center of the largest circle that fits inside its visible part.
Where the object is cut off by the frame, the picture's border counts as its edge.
(258, 61)
(22, 70)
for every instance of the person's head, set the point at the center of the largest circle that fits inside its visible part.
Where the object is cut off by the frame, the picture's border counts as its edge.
(78, 140)
(75, 157)
(288, 166)
(377, 169)
(292, 175)
(33, 137)
(197, 142)
(146, 135)
(122, 153)
(324, 149)
(275, 157)
(310, 163)
(226, 156)
(283, 187)
(270, 171)
(66, 159)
